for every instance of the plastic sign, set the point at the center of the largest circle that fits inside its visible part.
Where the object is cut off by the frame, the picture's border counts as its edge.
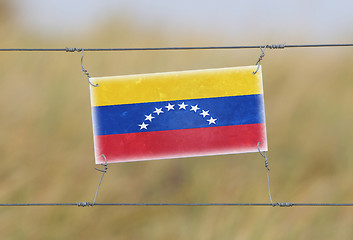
(178, 114)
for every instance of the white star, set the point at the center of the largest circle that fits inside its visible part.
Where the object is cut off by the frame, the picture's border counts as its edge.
(204, 113)
(149, 117)
(170, 107)
(182, 106)
(212, 120)
(158, 111)
(194, 108)
(143, 126)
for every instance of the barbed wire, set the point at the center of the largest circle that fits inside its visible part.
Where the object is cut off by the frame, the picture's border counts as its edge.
(269, 46)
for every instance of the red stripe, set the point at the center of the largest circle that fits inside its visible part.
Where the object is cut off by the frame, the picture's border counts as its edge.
(180, 143)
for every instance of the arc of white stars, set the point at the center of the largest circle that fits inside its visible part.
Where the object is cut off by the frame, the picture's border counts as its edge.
(170, 107)
(183, 106)
(205, 113)
(143, 126)
(158, 111)
(194, 108)
(212, 121)
(149, 117)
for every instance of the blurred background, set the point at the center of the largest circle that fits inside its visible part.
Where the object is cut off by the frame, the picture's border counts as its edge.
(46, 138)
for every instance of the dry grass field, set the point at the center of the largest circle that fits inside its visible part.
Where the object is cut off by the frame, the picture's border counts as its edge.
(47, 149)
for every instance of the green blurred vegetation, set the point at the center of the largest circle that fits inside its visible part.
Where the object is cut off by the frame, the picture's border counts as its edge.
(47, 148)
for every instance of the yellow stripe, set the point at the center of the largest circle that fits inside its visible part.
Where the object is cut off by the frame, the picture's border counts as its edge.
(176, 86)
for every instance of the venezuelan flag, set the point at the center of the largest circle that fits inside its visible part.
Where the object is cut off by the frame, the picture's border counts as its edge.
(178, 114)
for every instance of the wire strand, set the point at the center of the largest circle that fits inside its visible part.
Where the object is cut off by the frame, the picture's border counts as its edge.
(104, 171)
(86, 204)
(271, 46)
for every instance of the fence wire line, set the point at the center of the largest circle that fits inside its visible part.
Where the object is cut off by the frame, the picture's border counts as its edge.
(270, 46)
(88, 204)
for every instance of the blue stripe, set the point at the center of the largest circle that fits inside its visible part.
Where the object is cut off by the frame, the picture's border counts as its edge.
(234, 110)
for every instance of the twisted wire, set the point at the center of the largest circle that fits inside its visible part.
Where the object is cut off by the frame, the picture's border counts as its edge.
(83, 69)
(269, 46)
(88, 204)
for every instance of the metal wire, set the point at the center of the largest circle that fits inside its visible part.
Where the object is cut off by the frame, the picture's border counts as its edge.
(105, 164)
(258, 63)
(82, 67)
(263, 154)
(88, 204)
(271, 46)
(35, 204)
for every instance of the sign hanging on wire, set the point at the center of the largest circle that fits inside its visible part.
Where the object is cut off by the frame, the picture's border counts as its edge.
(178, 114)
